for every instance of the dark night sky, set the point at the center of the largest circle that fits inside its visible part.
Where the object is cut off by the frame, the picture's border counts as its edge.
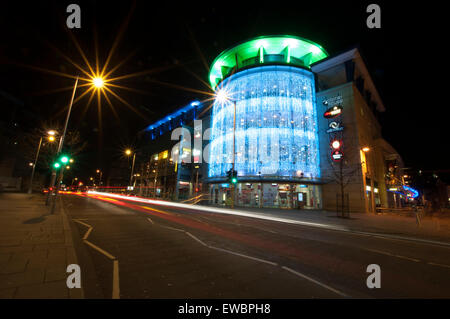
(405, 56)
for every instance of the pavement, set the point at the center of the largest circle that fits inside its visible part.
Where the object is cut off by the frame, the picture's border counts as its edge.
(35, 249)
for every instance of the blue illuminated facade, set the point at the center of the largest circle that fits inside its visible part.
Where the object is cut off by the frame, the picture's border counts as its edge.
(182, 116)
(276, 125)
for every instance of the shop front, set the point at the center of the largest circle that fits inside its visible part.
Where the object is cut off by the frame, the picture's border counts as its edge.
(269, 195)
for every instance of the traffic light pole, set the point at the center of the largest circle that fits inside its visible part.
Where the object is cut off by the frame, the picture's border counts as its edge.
(61, 143)
(234, 155)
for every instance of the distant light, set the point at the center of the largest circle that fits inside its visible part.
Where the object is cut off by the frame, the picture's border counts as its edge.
(128, 151)
(71, 160)
(195, 103)
(31, 164)
(98, 82)
(51, 132)
(51, 138)
(365, 149)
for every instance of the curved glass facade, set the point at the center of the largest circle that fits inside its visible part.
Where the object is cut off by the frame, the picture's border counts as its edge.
(276, 125)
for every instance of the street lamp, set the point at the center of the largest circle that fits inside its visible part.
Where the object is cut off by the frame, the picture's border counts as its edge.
(128, 153)
(97, 82)
(100, 176)
(51, 138)
(222, 96)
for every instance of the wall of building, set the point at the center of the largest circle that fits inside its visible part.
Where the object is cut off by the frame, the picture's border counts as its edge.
(351, 163)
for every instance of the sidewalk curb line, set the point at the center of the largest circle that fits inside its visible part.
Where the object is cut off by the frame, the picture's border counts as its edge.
(69, 240)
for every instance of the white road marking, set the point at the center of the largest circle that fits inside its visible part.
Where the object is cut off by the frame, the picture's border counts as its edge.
(440, 265)
(315, 281)
(115, 286)
(245, 256)
(260, 260)
(151, 221)
(392, 255)
(197, 239)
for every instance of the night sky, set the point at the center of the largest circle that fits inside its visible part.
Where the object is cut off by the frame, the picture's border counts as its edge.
(175, 41)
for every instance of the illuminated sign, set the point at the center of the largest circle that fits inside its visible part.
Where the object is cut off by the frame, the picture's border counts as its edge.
(334, 127)
(336, 155)
(333, 112)
(411, 191)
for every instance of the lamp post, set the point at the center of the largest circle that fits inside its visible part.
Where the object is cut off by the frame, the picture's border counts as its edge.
(97, 82)
(61, 143)
(128, 153)
(365, 150)
(51, 138)
(100, 177)
(223, 96)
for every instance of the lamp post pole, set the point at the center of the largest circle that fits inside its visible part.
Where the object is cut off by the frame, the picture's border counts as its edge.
(132, 168)
(30, 189)
(234, 154)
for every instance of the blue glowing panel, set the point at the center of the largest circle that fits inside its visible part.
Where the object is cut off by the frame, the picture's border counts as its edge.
(276, 124)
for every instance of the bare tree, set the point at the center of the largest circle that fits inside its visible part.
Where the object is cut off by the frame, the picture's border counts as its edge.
(343, 172)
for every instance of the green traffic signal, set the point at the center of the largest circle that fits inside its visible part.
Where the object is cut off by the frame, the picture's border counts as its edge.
(56, 165)
(64, 159)
(234, 180)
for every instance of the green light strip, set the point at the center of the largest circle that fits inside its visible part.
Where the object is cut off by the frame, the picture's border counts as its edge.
(268, 49)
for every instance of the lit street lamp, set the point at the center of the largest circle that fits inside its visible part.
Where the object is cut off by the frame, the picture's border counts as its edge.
(128, 153)
(51, 138)
(100, 177)
(222, 96)
(98, 82)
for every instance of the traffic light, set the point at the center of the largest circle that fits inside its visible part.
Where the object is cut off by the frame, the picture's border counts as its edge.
(64, 159)
(336, 153)
(232, 176)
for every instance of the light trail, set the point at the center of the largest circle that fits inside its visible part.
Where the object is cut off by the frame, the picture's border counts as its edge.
(217, 210)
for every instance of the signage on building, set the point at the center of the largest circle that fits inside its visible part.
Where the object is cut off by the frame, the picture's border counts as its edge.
(336, 155)
(334, 100)
(334, 127)
(333, 112)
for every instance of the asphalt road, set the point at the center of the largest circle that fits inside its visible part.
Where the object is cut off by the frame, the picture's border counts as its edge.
(138, 250)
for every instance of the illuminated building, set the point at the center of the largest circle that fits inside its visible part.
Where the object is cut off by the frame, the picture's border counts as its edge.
(288, 115)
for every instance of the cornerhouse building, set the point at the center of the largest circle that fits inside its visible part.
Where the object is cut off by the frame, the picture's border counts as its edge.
(303, 126)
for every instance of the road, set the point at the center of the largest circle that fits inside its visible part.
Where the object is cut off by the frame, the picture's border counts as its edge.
(141, 250)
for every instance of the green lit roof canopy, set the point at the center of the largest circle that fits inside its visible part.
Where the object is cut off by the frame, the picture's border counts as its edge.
(284, 49)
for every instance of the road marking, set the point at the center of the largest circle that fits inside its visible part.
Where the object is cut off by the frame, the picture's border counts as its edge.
(440, 265)
(197, 239)
(177, 229)
(116, 286)
(116, 282)
(260, 260)
(315, 281)
(245, 256)
(156, 210)
(104, 252)
(392, 255)
(151, 221)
